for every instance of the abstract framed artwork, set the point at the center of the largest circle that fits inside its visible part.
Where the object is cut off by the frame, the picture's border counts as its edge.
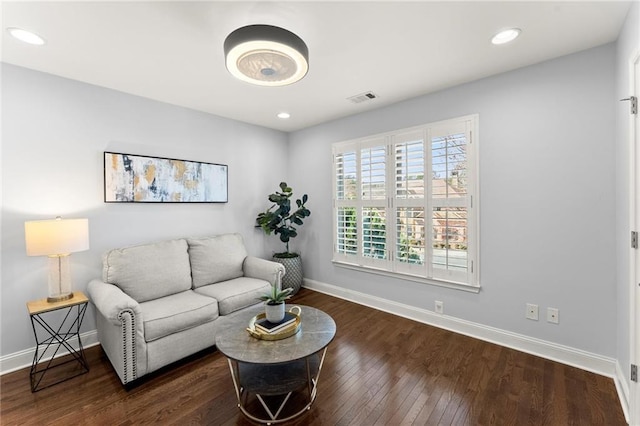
(140, 179)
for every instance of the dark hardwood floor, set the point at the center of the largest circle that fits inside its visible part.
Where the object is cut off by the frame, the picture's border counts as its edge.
(396, 372)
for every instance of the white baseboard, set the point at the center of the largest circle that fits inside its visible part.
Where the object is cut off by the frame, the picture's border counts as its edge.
(23, 359)
(622, 386)
(598, 364)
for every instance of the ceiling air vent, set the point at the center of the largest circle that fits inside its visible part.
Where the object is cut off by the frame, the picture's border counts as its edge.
(362, 97)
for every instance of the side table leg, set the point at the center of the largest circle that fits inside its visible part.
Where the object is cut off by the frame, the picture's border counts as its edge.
(236, 385)
(57, 339)
(273, 418)
(313, 381)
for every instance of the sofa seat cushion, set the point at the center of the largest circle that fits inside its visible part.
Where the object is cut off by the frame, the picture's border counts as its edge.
(235, 294)
(149, 271)
(216, 259)
(175, 313)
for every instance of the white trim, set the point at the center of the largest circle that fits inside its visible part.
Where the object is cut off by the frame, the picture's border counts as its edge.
(584, 360)
(632, 388)
(622, 387)
(407, 277)
(23, 359)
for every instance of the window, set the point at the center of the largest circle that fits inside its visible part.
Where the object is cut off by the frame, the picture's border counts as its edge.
(405, 203)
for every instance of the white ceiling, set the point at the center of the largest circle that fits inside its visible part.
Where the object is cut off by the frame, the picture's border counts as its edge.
(172, 51)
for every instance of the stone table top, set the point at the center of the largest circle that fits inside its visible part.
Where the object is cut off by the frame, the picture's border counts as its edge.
(317, 330)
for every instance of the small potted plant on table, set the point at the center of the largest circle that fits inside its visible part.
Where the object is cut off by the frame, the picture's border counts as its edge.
(274, 303)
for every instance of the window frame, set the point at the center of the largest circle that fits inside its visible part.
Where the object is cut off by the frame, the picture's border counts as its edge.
(392, 204)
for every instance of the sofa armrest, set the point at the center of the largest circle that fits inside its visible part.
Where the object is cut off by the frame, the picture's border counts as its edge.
(111, 301)
(270, 271)
(120, 330)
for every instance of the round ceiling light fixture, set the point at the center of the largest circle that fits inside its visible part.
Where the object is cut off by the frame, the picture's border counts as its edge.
(266, 55)
(506, 36)
(284, 115)
(26, 36)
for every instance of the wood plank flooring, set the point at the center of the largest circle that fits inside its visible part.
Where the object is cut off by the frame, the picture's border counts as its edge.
(380, 370)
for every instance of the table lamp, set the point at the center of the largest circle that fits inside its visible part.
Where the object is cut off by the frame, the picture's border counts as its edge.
(57, 238)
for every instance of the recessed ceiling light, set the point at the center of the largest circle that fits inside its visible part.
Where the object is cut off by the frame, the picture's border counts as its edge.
(506, 36)
(26, 36)
(284, 115)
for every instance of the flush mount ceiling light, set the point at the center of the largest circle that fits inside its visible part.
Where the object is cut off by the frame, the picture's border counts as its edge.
(266, 55)
(26, 36)
(284, 115)
(506, 36)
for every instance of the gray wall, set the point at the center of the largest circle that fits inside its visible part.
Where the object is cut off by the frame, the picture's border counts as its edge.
(54, 132)
(547, 187)
(550, 168)
(628, 44)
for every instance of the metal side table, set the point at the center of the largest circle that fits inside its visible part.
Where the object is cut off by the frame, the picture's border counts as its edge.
(53, 334)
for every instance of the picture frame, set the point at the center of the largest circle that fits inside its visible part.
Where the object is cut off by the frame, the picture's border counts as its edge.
(130, 178)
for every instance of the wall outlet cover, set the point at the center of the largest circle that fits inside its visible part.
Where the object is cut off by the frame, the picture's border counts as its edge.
(532, 312)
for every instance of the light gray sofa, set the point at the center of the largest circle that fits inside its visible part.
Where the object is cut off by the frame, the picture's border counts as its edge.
(158, 303)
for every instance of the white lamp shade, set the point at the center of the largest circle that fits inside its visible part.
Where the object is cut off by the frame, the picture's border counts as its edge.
(56, 236)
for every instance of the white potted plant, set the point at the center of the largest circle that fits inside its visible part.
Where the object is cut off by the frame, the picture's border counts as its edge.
(280, 220)
(274, 303)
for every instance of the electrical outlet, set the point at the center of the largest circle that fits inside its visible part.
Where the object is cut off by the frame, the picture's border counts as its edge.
(553, 315)
(439, 307)
(532, 312)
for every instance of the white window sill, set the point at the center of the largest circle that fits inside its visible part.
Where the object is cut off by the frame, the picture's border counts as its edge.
(371, 270)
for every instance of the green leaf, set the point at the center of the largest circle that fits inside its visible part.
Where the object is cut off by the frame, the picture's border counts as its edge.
(275, 296)
(279, 219)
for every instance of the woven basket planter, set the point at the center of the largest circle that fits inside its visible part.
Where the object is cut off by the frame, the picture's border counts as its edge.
(293, 275)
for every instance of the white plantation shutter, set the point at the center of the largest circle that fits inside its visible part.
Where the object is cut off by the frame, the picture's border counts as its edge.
(403, 202)
(347, 235)
(409, 202)
(409, 162)
(374, 234)
(449, 201)
(373, 171)
(373, 212)
(346, 175)
(346, 202)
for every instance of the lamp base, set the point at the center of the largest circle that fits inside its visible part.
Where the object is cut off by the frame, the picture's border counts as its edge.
(59, 278)
(60, 297)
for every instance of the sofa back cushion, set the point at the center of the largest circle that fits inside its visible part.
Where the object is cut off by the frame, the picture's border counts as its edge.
(150, 271)
(216, 259)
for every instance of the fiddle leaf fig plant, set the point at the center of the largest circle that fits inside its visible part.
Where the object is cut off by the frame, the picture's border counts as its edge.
(280, 220)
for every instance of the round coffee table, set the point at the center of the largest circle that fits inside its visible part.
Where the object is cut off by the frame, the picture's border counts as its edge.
(276, 367)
